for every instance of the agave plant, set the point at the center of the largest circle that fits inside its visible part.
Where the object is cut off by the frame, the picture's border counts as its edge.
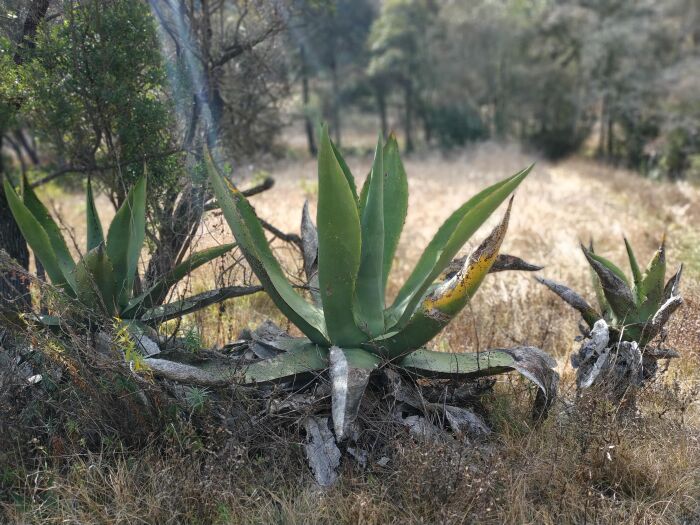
(348, 328)
(103, 279)
(635, 310)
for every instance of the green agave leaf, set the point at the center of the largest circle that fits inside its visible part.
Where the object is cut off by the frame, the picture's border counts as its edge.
(58, 243)
(636, 272)
(449, 239)
(365, 191)
(339, 248)
(95, 234)
(346, 170)
(306, 359)
(447, 364)
(157, 292)
(94, 278)
(531, 362)
(651, 289)
(37, 238)
(125, 240)
(447, 300)
(369, 288)
(616, 289)
(250, 236)
(302, 360)
(395, 203)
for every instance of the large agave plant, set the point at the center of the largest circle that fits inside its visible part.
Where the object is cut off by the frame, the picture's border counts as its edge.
(103, 279)
(635, 310)
(348, 328)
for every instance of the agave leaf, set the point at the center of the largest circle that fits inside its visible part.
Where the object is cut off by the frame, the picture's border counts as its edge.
(306, 359)
(58, 243)
(531, 362)
(395, 203)
(309, 243)
(339, 247)
(369, 288)
(448, 299)
(365, 191)
(303, 360)
(652, 285)
(671, 287)
(605, 309)
(612, 267)
(616, 289)
(573, 299)
(95, 284)
(95, 235)
(661, 317)
(125, 240)
(321, 449)
(37, 238)
(165, 312)
(350, 369)
(634, 266)
(451, 236)
(505, 262)
(345, 169)
(250, 236)
(429, 363)
(156, 293)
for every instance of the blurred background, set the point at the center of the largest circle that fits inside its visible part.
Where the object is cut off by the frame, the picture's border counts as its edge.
(87, 86)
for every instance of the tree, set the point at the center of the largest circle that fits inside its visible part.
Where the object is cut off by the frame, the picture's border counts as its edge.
(398, 45)
(14, 291)
(330, 37)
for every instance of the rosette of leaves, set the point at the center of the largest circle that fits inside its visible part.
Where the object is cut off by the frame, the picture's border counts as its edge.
(348, 329)
(636, 309)
(102, 280)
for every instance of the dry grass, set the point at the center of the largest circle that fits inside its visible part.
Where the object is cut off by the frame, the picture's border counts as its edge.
(581, 466)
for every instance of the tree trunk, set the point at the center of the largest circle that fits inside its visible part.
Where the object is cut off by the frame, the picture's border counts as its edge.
(308, 124)
(381, 107)
(611, 138)
(14, 288)
(408, 115)
(335, 103)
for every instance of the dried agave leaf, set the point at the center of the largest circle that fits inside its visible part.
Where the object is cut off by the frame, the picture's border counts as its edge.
(322, 453)
(573, 299)
(309, 243)
(349, 371)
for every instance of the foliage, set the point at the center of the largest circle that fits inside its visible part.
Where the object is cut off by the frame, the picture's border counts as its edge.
(636, 310)
(96, 98)
(348, 327)
(455, 126)
(103, 279)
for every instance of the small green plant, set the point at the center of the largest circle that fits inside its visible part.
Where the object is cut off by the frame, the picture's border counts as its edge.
(196, 398)
(192, 340)
(125, 342)
(635, 310)
(348, 328)
(103, 279)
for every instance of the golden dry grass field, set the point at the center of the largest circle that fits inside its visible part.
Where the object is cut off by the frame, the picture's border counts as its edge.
(578, 467)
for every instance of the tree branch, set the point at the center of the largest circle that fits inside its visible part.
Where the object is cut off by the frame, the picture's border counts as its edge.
(89, 169)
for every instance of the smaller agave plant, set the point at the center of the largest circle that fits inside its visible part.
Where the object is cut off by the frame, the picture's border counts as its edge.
(348, 330)
(103, 279)
(630, 314)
